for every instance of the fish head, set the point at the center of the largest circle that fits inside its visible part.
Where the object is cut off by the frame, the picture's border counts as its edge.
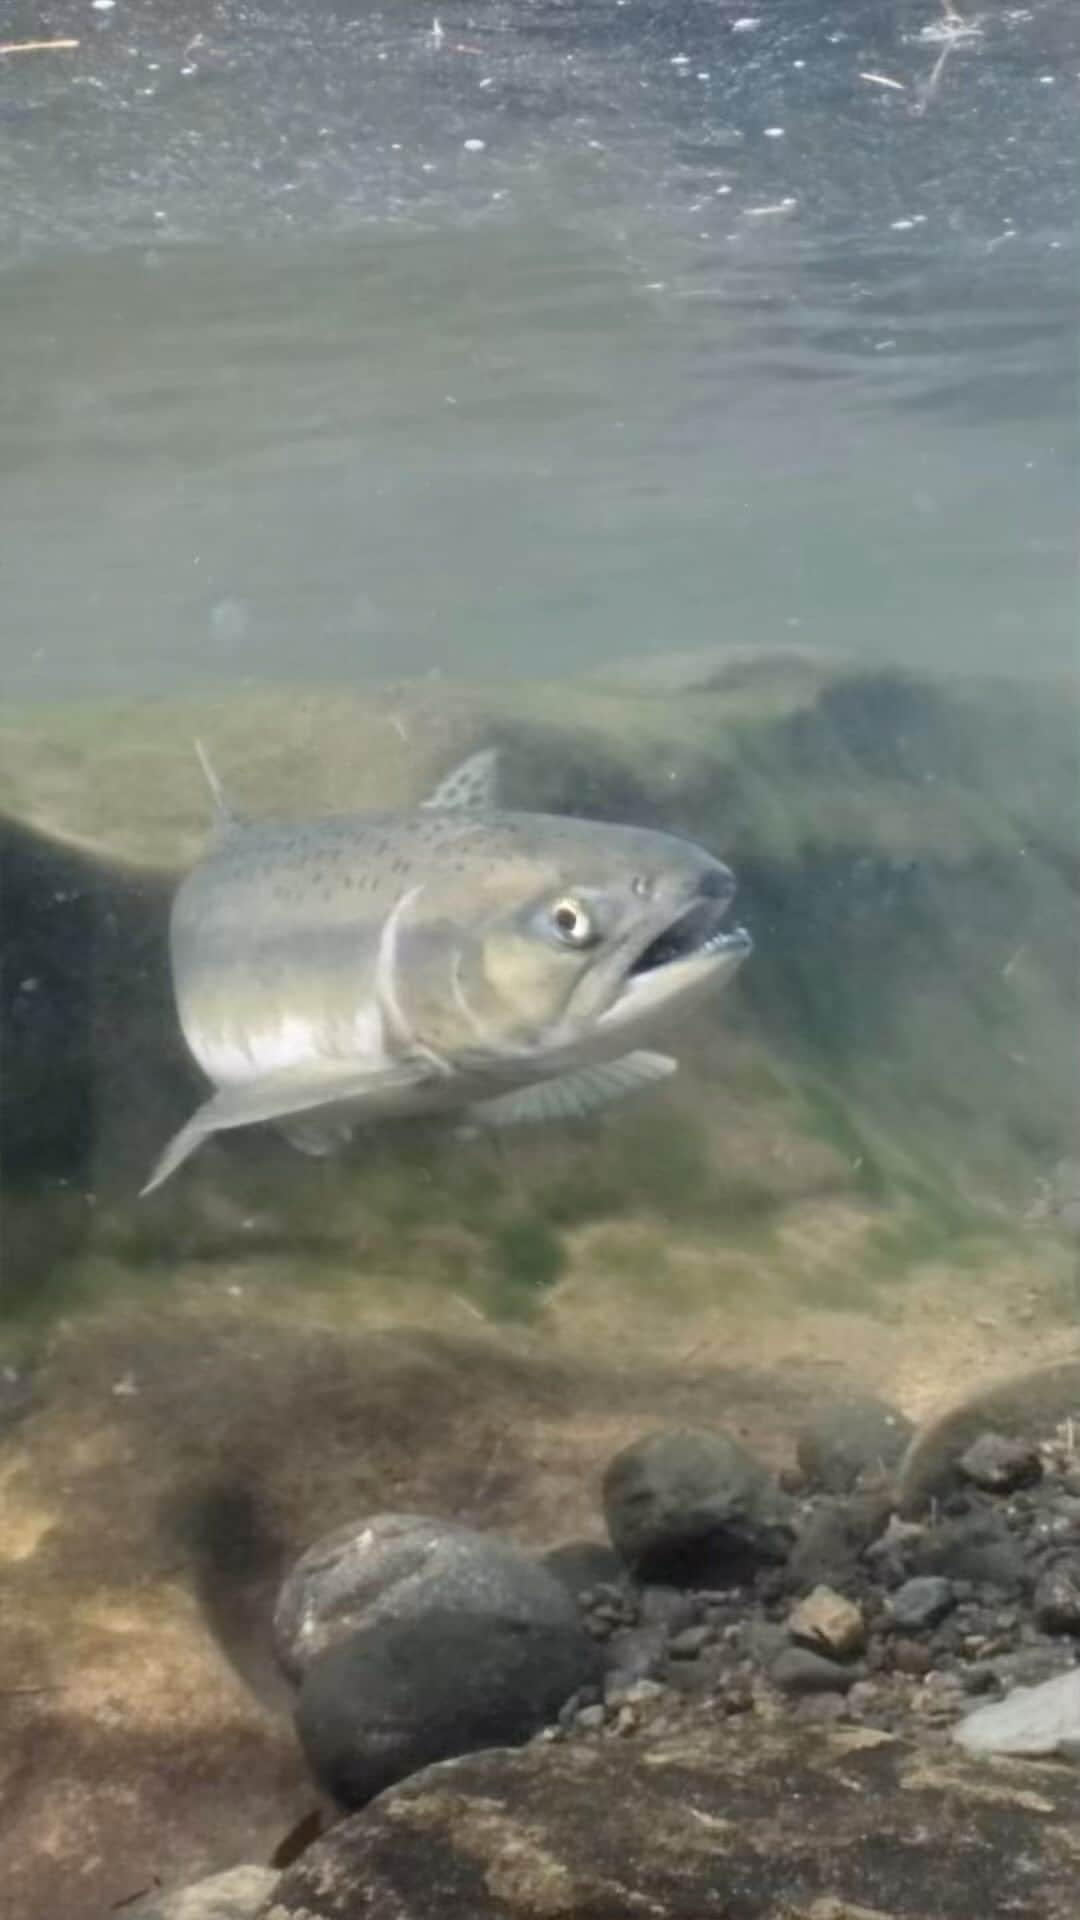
(551, 931)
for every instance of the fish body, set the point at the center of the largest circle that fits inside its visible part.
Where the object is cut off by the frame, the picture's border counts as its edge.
(454, 958)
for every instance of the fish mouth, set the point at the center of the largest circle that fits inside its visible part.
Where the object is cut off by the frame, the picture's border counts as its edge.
(691, 949)
(696, 933)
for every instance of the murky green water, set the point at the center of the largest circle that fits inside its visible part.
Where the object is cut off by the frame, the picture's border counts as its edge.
(684, 399)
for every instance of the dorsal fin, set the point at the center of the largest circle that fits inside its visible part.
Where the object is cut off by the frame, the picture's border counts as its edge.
(224, 815)
(471, 786)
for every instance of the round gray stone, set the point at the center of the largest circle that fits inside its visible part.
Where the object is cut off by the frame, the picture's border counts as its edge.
(381, 1704)
(691, 1507)
(397, 1566)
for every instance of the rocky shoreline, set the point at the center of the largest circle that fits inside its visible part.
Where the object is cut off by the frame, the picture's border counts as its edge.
(733, 1610)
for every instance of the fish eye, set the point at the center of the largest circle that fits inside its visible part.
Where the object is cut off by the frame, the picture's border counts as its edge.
(571, 922)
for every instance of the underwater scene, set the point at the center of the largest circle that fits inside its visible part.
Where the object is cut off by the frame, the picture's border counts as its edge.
(539, 965)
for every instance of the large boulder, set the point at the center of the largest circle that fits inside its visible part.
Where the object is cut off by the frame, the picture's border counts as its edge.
(693, 1507)
(382, 1704)
(397, 1566)
(702, 1822)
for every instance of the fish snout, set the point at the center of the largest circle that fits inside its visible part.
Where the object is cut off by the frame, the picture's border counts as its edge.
(708, 920)
(716, 883)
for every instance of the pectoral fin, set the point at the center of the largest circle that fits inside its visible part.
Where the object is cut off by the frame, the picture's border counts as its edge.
(571, 1095)
(276, 1095)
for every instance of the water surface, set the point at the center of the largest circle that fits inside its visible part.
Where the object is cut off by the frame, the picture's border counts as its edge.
(341, 342)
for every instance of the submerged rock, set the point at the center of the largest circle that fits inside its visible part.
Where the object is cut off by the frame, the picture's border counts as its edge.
(705, 1820)
(1057, 1597)
(693, 1507)
(798, 1670)
(848, 1438)
(1042, 1719)
(976, 1546)
(581, 1564)
(921, 1602)
(636, 1653)
(397, 1566)
(827, 1622)
(379, 1705)
(999, 1464)
(833, 1538)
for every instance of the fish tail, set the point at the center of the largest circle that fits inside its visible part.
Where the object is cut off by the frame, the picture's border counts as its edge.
(180, 1148)
(224, 814)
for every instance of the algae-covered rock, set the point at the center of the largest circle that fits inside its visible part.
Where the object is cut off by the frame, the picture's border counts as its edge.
(699, 1823)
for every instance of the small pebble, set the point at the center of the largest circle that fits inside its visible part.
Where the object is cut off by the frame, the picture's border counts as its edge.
(921, 1602)
(912, 1657)
(821, 1708)
(667, 1607)
(638, 1693)
(865, 1696)
(590, 1718)
(828, 1622)
(1057, 1598)
(688, 1644)
(800, 1671)
(999, 1465)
